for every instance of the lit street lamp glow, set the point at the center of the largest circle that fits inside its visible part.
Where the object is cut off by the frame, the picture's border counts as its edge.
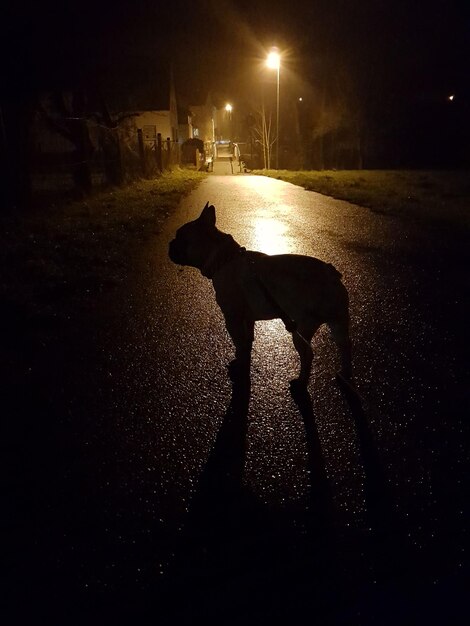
(274, 63)
(274, 60)
(228, 111)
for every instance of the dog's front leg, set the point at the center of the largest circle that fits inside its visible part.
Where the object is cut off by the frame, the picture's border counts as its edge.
(242, 331)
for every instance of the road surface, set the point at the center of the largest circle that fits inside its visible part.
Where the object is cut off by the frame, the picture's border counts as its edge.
(183, 496)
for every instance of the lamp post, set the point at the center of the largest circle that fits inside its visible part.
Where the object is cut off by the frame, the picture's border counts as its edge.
(274, 62)
(228, 109)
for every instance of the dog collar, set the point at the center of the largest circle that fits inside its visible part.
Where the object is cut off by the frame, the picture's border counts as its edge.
(220, 257)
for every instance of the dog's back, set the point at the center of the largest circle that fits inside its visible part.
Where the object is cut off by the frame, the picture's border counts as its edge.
(302, 285)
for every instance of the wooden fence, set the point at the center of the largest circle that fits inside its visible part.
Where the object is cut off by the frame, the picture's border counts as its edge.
(56, 166)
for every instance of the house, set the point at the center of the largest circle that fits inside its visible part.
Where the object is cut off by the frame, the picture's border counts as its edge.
(156, 109)
(204, 119)
(149, 95)
(185, 124)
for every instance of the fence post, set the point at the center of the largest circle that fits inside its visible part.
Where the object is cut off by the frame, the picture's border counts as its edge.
(140, 138)
(159, 152)
(168, 151)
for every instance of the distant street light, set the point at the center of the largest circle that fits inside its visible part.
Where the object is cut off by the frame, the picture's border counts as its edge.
(228, 109)
(274, 63)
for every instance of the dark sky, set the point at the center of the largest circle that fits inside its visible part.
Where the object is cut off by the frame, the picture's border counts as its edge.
(412, 47)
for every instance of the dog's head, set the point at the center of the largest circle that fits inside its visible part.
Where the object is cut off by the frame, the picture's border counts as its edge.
(194, 241)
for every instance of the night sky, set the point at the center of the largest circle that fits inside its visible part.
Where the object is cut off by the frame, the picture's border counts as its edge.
(412, 47)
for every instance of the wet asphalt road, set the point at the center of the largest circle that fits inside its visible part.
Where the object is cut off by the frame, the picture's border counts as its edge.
(193, 500)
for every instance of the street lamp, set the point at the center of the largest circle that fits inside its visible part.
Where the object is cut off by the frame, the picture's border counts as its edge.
(228, 109)
(274, 63)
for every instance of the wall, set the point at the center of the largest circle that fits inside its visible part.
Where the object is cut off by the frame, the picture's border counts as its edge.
(160, 119)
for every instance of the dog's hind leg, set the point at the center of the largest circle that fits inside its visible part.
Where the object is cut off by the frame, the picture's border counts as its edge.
(302, 338)
(340, 332)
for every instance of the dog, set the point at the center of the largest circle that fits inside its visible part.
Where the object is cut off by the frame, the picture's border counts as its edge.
(249, 286)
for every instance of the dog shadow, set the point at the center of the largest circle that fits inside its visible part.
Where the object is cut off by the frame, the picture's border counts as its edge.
(231, 535)
(227, 518)
(221, 503)
(221, 482)
(377, 494)
(231, 539)
(320, 509)
(386, 544)
(235, 551)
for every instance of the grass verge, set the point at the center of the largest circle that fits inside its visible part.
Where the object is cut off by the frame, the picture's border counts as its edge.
(68, 254)
(434, 195)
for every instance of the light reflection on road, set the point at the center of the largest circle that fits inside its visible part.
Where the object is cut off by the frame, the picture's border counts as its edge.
(269, 236)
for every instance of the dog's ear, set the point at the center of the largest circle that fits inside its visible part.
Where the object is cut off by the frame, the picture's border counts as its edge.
(208, 215)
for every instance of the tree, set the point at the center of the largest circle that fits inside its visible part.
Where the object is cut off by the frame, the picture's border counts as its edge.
(110, 141)
(264, 133)
(66, 116)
